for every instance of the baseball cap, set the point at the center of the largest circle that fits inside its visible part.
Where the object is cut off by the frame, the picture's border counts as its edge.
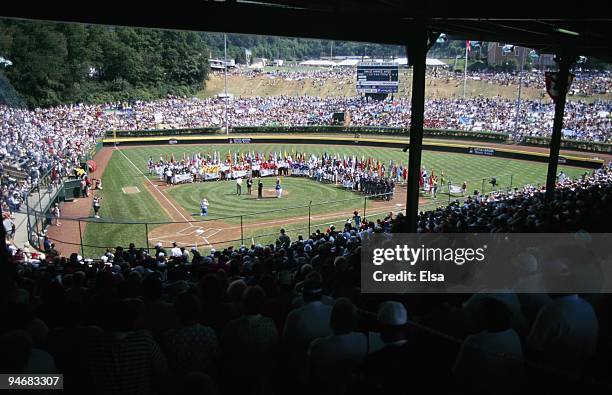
(392, 313)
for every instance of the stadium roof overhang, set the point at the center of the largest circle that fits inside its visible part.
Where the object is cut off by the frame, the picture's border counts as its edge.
(556, 29)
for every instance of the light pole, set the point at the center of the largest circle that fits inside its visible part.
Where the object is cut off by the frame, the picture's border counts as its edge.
(518, 100)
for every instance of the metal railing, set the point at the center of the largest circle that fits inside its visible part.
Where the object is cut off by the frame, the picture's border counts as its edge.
(81, 234)
(89, 236)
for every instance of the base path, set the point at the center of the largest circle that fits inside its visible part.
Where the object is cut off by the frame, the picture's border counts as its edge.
(66, 236)
(218, 233)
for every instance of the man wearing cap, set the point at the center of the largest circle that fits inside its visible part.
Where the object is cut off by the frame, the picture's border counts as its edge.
(384, 371)
(279, 189)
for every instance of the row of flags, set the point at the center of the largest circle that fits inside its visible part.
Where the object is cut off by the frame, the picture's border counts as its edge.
(368, 165)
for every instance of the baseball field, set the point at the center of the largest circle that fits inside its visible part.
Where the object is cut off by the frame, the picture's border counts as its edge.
(139, 208)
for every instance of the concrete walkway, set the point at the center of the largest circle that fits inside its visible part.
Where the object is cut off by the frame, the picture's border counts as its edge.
(36, 202)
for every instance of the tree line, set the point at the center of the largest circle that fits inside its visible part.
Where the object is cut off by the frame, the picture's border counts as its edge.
(57, 63)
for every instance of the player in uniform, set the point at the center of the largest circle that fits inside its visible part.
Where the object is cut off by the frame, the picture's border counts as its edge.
(279, 189)
(204, 207)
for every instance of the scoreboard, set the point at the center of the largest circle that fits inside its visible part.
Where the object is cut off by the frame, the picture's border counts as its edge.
(377, 77)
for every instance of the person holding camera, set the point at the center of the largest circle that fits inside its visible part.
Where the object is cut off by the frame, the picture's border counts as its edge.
(96, 206)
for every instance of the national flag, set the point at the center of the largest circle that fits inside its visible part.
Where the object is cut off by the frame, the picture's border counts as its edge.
(468, 46)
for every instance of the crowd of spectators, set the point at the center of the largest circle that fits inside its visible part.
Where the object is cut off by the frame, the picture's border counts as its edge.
(290, 317)
(586, 82)
(52, 141)
(37, 141)
(336, 74)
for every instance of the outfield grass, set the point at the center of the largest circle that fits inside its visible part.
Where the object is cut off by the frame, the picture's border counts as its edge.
(125, 171)
(456, 167)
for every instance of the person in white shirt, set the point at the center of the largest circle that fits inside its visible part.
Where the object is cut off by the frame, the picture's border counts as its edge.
(204, 207)
(239, 186)
(334, 358)
(175, 252)
(562, 177)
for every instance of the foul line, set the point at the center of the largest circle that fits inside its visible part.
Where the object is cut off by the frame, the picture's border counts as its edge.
(155, 186)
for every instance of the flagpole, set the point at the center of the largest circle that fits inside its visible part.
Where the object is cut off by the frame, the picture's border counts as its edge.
(225, 77)
(518, 100)
(465, 70)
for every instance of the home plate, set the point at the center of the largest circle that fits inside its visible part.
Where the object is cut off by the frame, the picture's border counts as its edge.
(398, 205)
(199, 231)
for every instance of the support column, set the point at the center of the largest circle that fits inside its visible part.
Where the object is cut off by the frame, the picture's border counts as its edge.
(564, 62)
(417, 51)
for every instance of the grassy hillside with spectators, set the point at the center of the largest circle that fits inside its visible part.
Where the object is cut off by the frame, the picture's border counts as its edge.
(300, 81)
